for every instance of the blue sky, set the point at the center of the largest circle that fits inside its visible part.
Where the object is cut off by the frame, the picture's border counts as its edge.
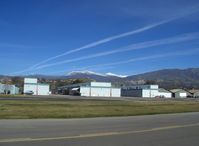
(120, 36)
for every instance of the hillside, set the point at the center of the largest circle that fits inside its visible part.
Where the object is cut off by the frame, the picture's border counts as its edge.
(170, 78)
(167, 78)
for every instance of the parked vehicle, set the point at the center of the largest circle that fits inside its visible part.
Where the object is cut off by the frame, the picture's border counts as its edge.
(29, 93)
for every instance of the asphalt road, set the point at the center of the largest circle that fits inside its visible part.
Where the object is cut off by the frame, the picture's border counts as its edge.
(152, 130)
(79, 98)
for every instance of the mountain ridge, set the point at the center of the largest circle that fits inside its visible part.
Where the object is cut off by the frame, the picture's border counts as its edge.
(166, 78)
(170, 78)
(94, 73)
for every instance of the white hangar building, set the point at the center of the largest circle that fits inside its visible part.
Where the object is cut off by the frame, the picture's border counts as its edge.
(179, 93)
(10, 89)
(194, 93)
(99, 89)
(31, 86)
(140, 91)
(164, 93)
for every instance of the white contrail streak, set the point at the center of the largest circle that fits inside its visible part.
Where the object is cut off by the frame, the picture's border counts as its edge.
(184, 37)
(179, 53)
(106, 40)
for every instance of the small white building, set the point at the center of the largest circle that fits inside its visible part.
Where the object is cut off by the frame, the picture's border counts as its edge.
(179, 93)
(8, 89)
(31, 86)
(194, 93)
(98, 89)
(140, 91)
(164, 93)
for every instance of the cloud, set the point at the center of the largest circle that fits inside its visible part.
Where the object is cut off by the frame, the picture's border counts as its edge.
(181, 38)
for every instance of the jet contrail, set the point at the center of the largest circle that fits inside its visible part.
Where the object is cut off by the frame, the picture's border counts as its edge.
(178, 53)
(106, 40)
(184, 37)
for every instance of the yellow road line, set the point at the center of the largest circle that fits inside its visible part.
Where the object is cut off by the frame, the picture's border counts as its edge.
(14, 140)
(97, 134)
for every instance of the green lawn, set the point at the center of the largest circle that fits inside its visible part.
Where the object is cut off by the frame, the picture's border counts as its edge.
(10, 109)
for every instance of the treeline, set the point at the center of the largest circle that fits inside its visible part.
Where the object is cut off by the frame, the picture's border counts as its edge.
(54, 83)
(62, 82)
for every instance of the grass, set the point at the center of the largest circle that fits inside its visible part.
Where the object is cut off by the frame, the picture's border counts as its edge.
(13, 109)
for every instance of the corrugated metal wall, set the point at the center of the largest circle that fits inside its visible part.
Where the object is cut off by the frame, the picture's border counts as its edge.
(165, 94)
(30, 87)
(43, 89)
(38, 89)
(149, 93)
(116, 92)
(1, 88)
(30, 84)
(100, 91)
(131, 92)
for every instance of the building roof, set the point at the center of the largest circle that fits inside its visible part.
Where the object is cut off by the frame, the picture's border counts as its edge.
(177, 90)
(193, 91)
(36, 84)
(89, 84)
(163, 90)
(144, 87)
(101, 87)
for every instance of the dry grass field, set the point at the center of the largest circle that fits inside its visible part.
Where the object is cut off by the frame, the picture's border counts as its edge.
(13, 109)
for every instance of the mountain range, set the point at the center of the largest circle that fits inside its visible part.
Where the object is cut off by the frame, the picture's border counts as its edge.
(167, 78)
(170, 78)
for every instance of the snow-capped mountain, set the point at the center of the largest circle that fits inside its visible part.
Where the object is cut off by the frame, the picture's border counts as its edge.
(94, 75)
(84, 72)
(108, 77)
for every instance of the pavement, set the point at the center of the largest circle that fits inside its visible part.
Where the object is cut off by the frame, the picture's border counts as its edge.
(80, 98)
(150, 130)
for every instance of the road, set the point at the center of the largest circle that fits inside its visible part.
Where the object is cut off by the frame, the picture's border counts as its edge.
(80, 98)
(151, 130)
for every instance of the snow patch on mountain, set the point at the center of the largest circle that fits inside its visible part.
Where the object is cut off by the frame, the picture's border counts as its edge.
(116, 75)
(84, 72)
(94, 73)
